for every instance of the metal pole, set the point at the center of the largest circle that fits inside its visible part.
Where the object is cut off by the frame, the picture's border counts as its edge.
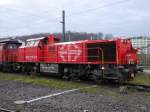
(63, 25)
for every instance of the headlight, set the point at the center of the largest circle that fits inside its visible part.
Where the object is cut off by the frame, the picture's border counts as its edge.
(103, 68)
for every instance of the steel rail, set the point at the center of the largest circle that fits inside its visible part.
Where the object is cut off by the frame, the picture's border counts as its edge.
(5, 110)
(141, 87)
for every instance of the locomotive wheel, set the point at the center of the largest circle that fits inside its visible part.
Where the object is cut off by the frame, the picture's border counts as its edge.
(96, 79)
(104, 81)
(66, 76)
(73, 77)
(121, 78)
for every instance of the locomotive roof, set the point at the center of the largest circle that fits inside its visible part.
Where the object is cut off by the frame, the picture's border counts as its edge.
(72, 42)
(39, 38)
(10, 41)
(86, 41)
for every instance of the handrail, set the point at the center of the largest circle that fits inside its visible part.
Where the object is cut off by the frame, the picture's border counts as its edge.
(102, 52)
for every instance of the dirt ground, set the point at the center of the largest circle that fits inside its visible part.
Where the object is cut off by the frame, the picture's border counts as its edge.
(70, 102)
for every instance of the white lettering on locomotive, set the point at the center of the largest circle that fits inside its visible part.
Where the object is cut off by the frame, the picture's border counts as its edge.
(31, 57)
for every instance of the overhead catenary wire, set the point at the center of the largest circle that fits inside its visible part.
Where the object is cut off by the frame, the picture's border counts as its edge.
(25, 13)
(40, 20)
(99, 7)
(31, 14)
(87, 11)
(31, 23)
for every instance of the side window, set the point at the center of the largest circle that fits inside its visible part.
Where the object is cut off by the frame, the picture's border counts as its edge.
(36, 43)
(12, 46)
(30, 43)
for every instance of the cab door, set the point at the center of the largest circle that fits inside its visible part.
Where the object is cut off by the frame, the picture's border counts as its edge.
(43, 50)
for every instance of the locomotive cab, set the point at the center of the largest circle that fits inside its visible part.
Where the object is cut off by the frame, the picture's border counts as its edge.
(8, 53)
(9, 49)
(117, 59)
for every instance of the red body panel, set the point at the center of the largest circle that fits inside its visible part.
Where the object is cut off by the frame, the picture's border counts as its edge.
(1, 53)
(70, 53)
(126, 54)
(50, 54)
(21, 54)
(31, 54)
(11, 55)
(77, 52)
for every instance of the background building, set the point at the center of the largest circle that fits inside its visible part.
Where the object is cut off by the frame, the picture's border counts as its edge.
(143, 43)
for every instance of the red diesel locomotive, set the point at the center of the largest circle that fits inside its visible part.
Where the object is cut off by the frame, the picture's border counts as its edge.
(94, 59)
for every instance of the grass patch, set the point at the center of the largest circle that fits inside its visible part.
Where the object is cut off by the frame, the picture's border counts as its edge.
(141, 78)
(90, 90)
(53, 83)
(110, 93)
(56, 83)
(61, 84)
(146, 68)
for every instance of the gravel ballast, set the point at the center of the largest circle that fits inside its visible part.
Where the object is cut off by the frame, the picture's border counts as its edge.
(71, 102)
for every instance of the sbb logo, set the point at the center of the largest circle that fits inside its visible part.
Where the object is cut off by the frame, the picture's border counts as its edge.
(69, 52)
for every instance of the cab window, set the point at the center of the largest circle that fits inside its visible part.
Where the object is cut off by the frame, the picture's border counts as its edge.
(12, 46)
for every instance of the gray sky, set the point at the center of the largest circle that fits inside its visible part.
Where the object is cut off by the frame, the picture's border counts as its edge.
(119, 17)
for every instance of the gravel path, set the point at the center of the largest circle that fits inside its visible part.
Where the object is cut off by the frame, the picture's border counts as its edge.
(70, 102)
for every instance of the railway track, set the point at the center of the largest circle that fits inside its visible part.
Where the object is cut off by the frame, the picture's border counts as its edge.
(140, 87)
(6, 110)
